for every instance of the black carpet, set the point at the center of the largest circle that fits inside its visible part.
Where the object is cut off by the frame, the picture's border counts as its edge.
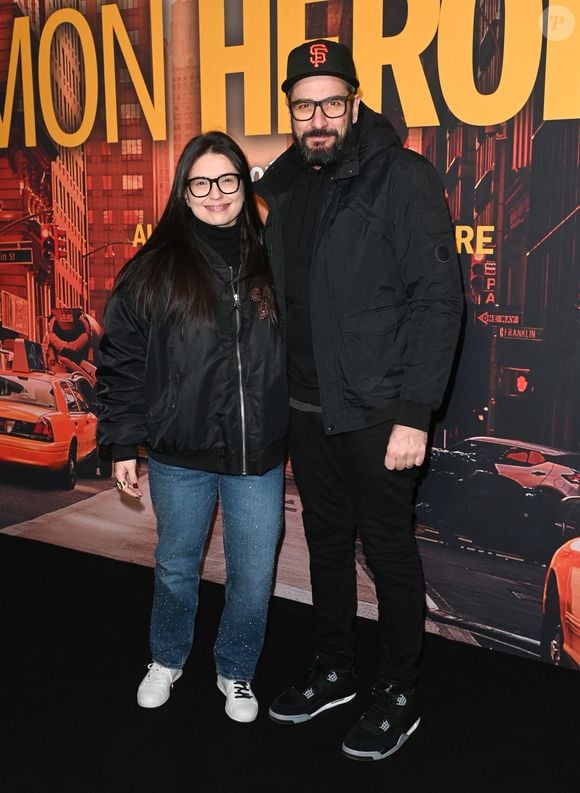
(74, 647)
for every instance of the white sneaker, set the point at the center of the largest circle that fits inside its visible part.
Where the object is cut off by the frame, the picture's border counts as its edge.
(156, 686)
(241, 704)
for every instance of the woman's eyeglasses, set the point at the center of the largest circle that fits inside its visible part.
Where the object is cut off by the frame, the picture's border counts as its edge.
(227, 183)
(332, 107)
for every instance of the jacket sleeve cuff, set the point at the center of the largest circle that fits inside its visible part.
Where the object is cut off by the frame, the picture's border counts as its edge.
(120, 453)
(414, 414)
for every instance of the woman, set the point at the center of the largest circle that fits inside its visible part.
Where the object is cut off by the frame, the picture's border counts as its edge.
(193, 367)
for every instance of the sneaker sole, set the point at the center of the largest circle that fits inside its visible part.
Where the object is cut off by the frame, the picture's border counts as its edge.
(354, 754)
(159, 704)
(298, 718)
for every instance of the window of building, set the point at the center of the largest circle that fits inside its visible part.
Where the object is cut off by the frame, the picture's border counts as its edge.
(133, 216)
(132, 148)
(130, 111)
(107, 183)
(107, 217)
(133, 37)
(132, 182)
(105, 150)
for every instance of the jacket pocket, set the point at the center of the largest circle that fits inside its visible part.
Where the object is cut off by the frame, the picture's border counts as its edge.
(374, 342)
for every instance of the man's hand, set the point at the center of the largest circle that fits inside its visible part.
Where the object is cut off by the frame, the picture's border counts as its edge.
(406, 448)
(127, 481)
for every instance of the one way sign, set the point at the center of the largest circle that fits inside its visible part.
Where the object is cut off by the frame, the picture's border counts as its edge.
(514, 318)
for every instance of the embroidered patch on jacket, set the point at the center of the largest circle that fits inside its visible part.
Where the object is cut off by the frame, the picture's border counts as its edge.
(263, 304)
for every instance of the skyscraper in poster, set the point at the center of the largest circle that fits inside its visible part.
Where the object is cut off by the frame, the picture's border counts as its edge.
(42, 189)
(184, 59)
(121, 177)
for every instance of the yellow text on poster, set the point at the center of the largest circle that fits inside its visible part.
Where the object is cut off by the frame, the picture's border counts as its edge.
(451, 21)
(114, 33)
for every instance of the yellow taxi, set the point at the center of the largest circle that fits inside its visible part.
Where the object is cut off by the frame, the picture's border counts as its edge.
(560, 640)
(45, 421)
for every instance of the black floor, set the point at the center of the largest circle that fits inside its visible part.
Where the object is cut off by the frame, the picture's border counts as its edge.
(74, 647)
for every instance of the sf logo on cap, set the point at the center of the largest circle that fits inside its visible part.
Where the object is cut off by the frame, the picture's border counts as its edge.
(318, 53)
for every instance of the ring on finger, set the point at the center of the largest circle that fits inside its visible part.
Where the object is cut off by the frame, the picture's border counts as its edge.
(120, 485)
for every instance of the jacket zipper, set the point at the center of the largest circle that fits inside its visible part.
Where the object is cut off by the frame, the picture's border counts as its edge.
(237, 306)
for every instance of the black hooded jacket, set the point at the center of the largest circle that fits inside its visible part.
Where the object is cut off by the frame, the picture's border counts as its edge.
(385, 289)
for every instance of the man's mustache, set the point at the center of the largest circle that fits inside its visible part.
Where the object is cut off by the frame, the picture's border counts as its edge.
(319, 133)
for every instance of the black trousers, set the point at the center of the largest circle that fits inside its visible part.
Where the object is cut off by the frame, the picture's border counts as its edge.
(344, 487)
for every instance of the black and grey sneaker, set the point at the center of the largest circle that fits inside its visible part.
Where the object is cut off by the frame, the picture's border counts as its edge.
(385, 726)
(320, 689)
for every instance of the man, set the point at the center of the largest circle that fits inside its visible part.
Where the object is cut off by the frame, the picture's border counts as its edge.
(368, 281)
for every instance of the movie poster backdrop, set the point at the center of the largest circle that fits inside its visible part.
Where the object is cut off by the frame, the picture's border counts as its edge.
(97, 100)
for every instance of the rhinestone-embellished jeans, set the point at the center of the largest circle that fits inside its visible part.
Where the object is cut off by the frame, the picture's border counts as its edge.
(252, 509)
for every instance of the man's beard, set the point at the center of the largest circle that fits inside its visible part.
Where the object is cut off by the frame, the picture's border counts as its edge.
(323, 155)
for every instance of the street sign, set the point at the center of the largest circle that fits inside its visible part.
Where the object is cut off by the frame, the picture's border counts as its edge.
(485, 317)
(523, 334)
(15, 255)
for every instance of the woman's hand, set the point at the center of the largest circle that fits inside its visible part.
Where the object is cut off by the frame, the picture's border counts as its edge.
(125, 473)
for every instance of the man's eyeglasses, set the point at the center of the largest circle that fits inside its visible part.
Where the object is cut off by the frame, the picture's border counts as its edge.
(227, 183)
(332, 107)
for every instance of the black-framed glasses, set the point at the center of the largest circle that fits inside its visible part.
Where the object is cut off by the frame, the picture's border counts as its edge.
(200, 186)
(332, 107)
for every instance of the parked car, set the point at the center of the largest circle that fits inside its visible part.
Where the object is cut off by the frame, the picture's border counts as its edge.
(45, 423)
(560, 637)
(500, 492)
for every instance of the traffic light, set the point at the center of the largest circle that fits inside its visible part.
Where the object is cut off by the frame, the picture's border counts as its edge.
(47, 238)
(482, 279)
(476, 276)
(60, 251)
(514, 382)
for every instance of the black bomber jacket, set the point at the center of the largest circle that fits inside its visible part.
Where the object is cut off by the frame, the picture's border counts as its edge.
(213, 399)
(385, 288)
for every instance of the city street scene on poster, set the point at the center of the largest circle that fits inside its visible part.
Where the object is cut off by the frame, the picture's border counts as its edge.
(97, 102)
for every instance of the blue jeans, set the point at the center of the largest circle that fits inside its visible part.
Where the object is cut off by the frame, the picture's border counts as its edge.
(252, 509)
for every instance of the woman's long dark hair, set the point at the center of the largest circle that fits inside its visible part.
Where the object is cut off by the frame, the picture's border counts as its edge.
(169, 278)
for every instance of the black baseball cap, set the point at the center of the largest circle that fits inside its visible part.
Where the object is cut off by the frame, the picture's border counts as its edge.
(320, 57)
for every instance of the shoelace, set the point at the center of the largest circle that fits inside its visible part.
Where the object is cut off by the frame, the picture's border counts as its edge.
(313, 675)
(158, 675)
(382, 701)
(242, 689)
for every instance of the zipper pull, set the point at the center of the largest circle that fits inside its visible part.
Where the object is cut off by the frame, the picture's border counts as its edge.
(236, 295)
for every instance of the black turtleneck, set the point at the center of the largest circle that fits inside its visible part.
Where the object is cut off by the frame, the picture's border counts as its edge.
(224, 240)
